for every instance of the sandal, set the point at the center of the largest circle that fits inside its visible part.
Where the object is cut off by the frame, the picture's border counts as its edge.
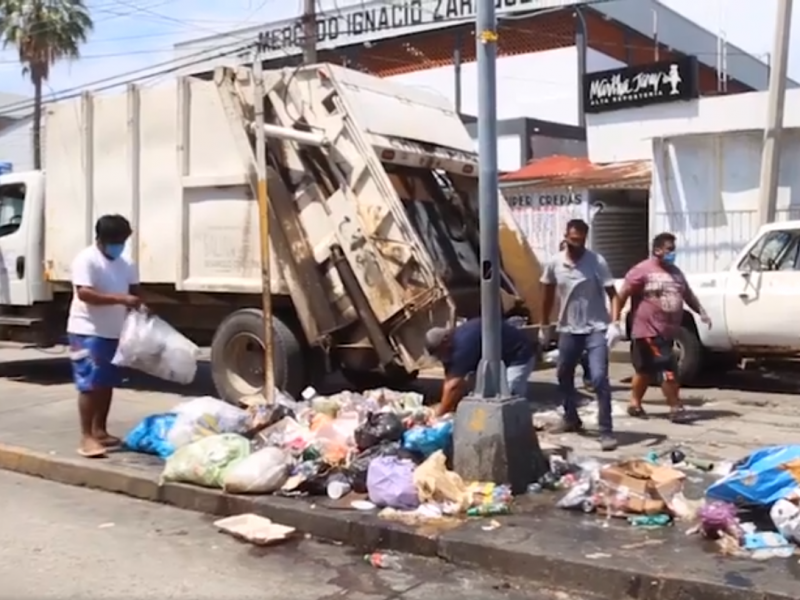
(637, 412)
(680, 416)
(111, 442)
(98, 453)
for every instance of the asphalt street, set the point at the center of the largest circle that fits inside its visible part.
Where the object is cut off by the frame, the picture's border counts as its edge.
(66, 542)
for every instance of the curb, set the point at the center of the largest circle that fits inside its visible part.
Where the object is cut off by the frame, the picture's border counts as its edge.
(543, 560)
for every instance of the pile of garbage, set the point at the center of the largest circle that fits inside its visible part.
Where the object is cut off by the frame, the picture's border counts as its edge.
(644, 493)
(752, 511)
(381, 447)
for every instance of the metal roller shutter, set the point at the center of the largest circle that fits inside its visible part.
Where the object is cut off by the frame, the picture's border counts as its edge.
(619, 233)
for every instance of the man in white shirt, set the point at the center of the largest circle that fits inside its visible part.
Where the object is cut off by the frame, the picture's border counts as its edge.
(105, 287)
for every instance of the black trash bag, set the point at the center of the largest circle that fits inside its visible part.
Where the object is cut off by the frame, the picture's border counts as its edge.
(266, 415)
(378, 428)
(314, 479)
(356, 471)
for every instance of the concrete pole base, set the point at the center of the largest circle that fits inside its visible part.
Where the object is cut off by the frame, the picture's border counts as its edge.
(494, 441)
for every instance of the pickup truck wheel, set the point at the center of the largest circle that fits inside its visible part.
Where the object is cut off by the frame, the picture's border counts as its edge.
(237, 357)
(690, 355)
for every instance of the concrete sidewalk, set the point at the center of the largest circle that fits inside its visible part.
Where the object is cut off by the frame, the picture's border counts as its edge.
(551, 548)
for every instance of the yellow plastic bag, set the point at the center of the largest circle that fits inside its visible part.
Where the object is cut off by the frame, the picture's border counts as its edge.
(435, 483)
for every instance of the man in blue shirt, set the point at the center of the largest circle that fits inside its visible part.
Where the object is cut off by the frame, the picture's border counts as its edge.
(459, 350)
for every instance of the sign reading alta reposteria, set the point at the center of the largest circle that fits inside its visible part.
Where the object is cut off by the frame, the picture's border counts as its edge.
(642, 85)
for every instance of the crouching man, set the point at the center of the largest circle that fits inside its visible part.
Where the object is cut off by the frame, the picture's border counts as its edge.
(459, 350)
(104, 289)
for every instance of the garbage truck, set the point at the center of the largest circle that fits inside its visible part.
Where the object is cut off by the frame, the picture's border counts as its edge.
(372, 196)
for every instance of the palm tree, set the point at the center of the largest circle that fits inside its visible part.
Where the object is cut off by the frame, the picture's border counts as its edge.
(43, 32)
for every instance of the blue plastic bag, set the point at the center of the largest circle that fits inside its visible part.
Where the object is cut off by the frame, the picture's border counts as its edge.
(427, 440)
(761, 479)
(150, 436)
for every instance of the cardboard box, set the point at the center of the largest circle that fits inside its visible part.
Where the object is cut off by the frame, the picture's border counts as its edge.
(637, 486)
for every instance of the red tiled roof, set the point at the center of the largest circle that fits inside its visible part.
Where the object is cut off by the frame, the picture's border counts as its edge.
(565, 171)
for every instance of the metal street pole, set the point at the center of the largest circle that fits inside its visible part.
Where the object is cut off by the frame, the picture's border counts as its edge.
(491, 374)
(309, 32)
(776, 99)
(582, 49)
(494, 439)
(263, 224)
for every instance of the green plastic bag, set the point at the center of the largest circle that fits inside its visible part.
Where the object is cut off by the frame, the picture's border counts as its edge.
(206, 461)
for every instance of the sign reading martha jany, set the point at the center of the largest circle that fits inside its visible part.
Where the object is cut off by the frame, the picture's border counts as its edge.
(348, 23)
(641, 85)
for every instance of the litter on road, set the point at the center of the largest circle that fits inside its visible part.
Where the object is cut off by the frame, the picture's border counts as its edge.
(383, 451)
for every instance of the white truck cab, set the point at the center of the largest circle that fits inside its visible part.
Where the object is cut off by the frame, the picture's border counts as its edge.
(754, 305)
(22, 276)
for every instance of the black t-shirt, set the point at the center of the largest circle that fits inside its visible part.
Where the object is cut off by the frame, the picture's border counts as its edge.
(465, 353)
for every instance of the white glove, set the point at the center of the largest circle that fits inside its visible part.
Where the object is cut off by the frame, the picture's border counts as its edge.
(545, 335)
(614, 335)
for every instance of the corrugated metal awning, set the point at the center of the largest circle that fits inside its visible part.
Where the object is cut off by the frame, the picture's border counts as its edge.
(567, 171)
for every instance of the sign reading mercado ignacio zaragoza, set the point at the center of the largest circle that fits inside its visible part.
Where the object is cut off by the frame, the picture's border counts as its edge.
(351, 22)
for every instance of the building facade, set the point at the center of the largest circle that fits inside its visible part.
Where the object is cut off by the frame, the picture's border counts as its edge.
(545, 48)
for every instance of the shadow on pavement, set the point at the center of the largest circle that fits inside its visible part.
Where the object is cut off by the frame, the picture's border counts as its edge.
(51, 371)
(765, 379)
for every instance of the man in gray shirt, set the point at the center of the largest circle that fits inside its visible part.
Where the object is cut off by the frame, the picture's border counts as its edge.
(583, 281)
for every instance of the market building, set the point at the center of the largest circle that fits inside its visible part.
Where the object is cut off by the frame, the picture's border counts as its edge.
(543, 56)
(706, 162)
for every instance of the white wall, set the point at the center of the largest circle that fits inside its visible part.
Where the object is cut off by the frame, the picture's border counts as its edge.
(16, 145)
(543, 85)
(627, 134)
(705, 191)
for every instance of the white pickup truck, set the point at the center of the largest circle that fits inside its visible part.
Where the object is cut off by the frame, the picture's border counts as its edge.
(754, 306)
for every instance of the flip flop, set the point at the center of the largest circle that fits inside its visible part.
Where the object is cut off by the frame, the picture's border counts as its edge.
(99, 453)
(637, 412)
(111, 442)
(681, 417)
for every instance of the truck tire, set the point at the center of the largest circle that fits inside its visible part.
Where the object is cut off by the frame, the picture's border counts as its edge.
(361, 381)
(690, 355)
(237, 356)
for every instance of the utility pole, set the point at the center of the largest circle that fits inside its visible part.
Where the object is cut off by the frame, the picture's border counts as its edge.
(494, 438)
(582, 49)
(309, 32)
(263, 223)
(776, 100)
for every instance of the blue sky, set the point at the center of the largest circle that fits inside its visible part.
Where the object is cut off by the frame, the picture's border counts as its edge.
(133, 34)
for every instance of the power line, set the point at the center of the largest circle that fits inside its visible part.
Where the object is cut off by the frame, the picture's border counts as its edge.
(169, 67)
(237, 46)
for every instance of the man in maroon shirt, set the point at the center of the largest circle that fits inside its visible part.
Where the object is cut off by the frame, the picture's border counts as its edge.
(658, 290)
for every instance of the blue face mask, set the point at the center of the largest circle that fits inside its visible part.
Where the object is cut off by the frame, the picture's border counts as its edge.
(113, 251)
(669, 258)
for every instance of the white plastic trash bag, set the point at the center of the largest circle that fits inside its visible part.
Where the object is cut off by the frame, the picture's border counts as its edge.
(205, 461)
(202, 417)
(786, 518)
(149, 344)
(263, 472)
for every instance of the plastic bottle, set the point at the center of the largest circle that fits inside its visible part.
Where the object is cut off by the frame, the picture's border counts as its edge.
(382, 560)
(488, 510)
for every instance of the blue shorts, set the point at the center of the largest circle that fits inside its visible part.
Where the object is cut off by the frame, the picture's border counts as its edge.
(91, 362)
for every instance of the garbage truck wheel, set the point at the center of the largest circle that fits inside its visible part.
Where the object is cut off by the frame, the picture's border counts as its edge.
(237, 357)
(369, 380)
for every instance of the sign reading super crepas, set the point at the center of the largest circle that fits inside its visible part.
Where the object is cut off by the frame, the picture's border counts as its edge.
(373, 20)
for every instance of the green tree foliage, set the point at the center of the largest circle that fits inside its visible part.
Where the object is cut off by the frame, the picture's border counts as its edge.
(43, 32)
